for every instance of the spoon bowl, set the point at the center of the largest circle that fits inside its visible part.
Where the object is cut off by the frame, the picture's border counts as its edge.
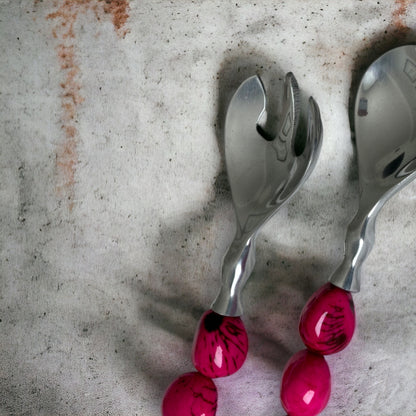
(385, 120)
(385, 128)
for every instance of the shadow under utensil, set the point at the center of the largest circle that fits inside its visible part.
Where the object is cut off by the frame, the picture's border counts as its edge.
(276, 295)
(176, 292)
(178, 289)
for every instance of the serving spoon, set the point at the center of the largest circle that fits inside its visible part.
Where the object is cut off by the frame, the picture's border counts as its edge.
(385, 131)
(264, 170)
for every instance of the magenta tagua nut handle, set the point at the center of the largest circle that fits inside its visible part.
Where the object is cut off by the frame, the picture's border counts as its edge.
(306, 384)
(327, 322)
(220, 345)
(192, 394)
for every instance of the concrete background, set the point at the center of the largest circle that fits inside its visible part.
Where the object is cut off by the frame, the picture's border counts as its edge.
(115, 210)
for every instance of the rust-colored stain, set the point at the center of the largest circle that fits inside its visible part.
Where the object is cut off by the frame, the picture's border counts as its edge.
(65, 17)
(119, 12)
(398, 14)
(394, 34)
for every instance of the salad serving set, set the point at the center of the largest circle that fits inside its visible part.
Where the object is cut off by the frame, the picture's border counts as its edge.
(264, 171)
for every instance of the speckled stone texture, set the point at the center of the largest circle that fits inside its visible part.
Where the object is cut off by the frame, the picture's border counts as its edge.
(115, 211)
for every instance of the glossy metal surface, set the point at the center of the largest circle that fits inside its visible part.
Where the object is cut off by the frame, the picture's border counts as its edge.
(263, 172)
(385, 125)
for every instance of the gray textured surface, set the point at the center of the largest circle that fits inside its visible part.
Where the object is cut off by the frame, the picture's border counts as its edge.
(115, 211)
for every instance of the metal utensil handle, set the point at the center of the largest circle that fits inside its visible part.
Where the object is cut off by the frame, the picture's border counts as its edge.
(237, 267)
(358, 243)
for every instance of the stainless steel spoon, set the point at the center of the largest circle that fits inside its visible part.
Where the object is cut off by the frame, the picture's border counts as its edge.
(263, 172)
(385, 127)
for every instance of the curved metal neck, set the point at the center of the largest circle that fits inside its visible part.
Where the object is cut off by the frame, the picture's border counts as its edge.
(237, 266)
(360, 233)
(358, 243)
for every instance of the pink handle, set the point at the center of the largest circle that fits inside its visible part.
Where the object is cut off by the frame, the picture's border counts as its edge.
(220, 345)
